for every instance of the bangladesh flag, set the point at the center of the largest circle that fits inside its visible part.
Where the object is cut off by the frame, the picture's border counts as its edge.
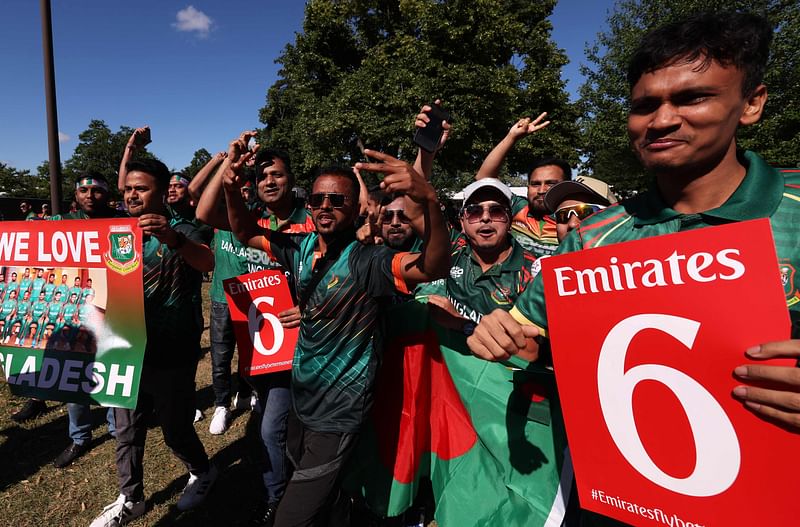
(490, 438)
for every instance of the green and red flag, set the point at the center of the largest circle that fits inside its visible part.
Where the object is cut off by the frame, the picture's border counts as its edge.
(86, 348)
(489, 437)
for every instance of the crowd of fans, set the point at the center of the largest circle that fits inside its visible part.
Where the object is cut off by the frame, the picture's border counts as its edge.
(692, 84)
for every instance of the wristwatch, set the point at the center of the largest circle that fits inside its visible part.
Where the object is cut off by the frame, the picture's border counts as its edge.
(468, 328)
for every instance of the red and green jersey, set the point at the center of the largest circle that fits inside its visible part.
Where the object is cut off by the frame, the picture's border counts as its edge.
(535, 235)
(232, 258)
(765, 192)
(340, 340)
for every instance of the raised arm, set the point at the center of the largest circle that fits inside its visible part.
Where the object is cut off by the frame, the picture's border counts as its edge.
(524, 127)
(433, 262)
(134, 143)
(211, 208)
(242, 223)
(201, 179)
(424, 162)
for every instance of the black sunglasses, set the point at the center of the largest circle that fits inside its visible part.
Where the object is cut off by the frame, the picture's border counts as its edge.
(474, 213)
(389, 215)
(336, 200)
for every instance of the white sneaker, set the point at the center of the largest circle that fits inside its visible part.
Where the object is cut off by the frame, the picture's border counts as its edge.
(220, 422)
(198, 415)
(255, 404)
(196, 489)
(119, 513)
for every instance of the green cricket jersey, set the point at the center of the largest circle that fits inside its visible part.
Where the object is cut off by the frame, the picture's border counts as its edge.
(68, 311)
(232, 258)
(84, 293)
(7, 307)
(765, 192)
(474, 292)
(49, 290)
(24, 285)
(64, 290)
(339, 346)
(38, 283)
(170, 287)
(38, 309)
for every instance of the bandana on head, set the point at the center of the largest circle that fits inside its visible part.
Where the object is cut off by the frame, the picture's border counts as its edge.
(179, 179)
(91, 182)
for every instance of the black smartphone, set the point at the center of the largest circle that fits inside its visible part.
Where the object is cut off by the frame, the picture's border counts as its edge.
(143, 138)
(428, 138)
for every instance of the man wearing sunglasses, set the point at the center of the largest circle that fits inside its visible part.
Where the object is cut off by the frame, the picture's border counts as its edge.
(488, 267)
(531, 224)
(396, 228)
(342, 287)
(570, 202)
(275, 209)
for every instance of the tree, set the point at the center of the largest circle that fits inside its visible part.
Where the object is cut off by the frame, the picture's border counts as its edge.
(199, 160)
(22, 184)
(604, 95)
(99, 150)
(362, 68)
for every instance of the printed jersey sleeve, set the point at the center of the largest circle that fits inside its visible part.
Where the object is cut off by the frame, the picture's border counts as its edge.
(530, 305)
(379, 268)
(281, 247)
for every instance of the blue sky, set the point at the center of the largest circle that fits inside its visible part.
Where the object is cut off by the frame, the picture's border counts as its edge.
(197, 72)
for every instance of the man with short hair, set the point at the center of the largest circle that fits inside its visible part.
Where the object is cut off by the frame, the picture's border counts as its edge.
(693, 83)
(50, 286)
(531, 225)
(273, 181)
(396, 230)
(38, 283)
(25, 282)
(173, 261)
(340, 283)
(63, 287)
(27, 211)
(87, 291)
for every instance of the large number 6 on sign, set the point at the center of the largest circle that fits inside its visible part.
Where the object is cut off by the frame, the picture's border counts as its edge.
(254, 318)
(718, 455)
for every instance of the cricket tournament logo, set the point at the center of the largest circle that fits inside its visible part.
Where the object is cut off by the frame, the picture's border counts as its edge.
(787, 273)
(122, 256)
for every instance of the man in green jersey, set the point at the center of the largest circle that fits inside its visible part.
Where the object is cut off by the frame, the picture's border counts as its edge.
(50, 287)
(25, 282)
(38, 283)
(8, 308)
(173, 259)
(489, 269)
(87, 291)
(38, 309)
(63, 287)
(340, 284)
(693, 83)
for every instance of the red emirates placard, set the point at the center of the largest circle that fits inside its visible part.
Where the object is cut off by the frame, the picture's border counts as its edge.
(255, 300)
(645, 337)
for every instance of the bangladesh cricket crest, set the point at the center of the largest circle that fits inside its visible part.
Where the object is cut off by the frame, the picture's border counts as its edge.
(122, 256)
(787, 273)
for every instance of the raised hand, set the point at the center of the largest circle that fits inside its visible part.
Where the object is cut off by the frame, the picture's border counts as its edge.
(422, 120)
(400, 177)
(525, 126)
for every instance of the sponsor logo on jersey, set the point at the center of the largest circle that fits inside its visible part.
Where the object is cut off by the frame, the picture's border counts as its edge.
(456, 272)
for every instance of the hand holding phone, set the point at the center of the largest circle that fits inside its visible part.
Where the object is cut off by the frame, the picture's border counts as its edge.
(142, 137)
(428, 137)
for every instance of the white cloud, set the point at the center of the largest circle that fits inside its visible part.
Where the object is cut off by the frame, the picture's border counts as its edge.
(190, 19)
(63, 138)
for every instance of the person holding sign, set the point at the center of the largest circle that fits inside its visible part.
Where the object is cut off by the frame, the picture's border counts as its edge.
(340, 284)
(173, 258)
(693, 83)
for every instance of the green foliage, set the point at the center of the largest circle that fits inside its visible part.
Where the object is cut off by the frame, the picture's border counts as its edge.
(199, 160)
(361, 69)
(604, 96)
(22, 184)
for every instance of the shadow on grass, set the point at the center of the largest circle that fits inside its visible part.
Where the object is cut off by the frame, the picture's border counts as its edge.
(236, 493)
(27, 449)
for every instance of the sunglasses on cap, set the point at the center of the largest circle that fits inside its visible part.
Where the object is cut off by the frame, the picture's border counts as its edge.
(580, 211)
(474, 213)
(336, 200)
(388, 216)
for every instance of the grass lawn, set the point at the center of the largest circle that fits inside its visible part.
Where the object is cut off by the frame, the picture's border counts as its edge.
(34, 493)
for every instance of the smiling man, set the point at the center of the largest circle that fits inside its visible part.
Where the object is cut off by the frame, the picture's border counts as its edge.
(693, 83)
(341, 286)
(173, 258)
